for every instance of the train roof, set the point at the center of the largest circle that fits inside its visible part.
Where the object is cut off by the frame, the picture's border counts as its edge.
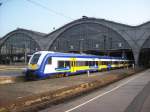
(74, 55)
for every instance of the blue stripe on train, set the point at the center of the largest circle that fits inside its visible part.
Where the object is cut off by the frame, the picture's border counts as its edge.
(62, 68)
(67, 73)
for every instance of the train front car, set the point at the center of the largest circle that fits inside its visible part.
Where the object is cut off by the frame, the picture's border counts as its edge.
(34, 69)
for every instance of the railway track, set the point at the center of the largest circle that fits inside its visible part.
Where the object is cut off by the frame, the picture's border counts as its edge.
(57, 85)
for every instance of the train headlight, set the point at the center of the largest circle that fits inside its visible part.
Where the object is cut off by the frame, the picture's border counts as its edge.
(33, 66)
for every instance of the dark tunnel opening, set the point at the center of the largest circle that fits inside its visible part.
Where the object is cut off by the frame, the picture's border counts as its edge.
(144, 57)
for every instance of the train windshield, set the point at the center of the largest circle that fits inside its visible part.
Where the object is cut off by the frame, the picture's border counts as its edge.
(35, 59)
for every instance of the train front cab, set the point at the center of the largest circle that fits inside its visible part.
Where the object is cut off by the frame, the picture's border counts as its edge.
(33, 71)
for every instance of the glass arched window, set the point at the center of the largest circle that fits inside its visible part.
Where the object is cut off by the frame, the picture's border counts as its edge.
(17, 45)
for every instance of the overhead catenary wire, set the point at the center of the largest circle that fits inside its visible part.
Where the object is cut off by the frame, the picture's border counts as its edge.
(49, 10)
(3, 2)
(65, 16)
(90, 28)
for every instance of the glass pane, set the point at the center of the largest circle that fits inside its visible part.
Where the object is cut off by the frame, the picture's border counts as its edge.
(35, 59)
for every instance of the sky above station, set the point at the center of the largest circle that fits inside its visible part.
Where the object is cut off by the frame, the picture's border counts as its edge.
(45, 15)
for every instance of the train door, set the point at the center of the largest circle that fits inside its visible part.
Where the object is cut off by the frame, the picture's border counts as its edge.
(99, 65)
(73, 64)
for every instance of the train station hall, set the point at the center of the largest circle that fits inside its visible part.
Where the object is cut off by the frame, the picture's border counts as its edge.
(85, 35)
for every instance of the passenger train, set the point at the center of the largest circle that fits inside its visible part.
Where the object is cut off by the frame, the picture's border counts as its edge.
(43, 64)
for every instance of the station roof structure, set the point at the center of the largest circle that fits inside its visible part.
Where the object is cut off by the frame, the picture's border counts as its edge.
(92, 30)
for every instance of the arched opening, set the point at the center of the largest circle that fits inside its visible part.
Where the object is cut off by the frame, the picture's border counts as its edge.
(92, 38)
(144, 57)
(17, 48)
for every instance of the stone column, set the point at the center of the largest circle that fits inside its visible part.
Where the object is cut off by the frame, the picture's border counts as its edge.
(136, 53)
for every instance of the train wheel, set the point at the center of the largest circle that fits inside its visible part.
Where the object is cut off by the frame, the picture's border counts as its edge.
(66, 74)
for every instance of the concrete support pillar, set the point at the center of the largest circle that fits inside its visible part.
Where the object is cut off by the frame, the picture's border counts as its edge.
(136, 54)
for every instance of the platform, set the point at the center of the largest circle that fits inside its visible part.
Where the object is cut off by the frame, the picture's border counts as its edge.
(22, 91)
(11, 73)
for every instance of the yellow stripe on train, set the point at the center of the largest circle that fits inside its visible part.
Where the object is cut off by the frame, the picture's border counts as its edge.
(33, 66)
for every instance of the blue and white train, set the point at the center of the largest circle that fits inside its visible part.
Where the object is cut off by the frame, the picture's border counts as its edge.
(43, 64)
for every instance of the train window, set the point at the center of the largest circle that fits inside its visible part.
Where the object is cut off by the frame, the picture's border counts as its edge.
(67, 63)
(49, 61)
(86, 63)
(108, 62)
(91, 63)
(35, 59)
(115, 62)
(96, 63)
(78, 63)
(81, 63)
(100, 62)
(104, 62)
(61, 64)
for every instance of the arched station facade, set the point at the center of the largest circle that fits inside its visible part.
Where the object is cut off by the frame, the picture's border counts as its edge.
(85, 35)
(17, 45)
